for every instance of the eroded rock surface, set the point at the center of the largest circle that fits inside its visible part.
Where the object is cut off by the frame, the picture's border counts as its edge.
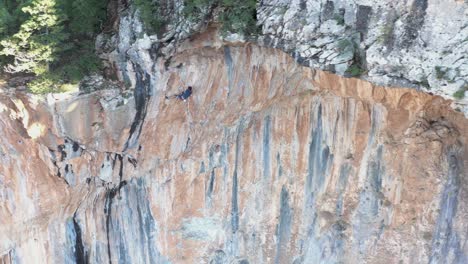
(403, 43)
(267, 162)
(419, 44)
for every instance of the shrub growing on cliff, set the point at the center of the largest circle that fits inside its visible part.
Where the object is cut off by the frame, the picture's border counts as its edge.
(238, 17)
(440, 72)
(354, 71)
(47, 83)
(194, 7)
(150, 15)
(235, 16)
(460, 94)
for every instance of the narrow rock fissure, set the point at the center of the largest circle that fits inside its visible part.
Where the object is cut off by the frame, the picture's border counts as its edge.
(110, 195)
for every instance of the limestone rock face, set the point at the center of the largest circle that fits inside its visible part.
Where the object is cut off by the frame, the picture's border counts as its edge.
(267, 162)
(403, 43)
(419, 44)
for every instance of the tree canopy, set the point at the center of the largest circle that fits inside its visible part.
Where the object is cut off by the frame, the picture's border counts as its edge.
(52, 39)
(37, 43)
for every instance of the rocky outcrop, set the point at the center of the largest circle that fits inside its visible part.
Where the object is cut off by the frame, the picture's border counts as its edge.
(267, 162)
(418, 44)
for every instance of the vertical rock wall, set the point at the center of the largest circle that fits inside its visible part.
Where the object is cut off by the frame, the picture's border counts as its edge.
(267, 162)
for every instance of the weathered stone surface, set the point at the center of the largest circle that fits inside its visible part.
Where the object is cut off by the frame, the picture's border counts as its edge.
(396, 43)
(267, 162)
(404, 42)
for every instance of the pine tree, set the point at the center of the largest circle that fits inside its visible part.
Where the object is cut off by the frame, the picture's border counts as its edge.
(86, 15)
(5, 19)
(38, 41)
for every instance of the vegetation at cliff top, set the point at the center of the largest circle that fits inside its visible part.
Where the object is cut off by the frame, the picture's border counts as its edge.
(150, 14)
(460, 94)
(50, 39)
(235, 16)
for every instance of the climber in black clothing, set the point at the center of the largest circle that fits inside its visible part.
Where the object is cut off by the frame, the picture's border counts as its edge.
(183, 95)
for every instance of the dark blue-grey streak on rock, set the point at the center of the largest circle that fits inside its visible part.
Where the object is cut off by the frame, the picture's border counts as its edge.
(119, 211)
(303, 4)
(373, 129)
(133, 207)
(375, 171)
(202, 168)
(219, 257)
(234, 200)
(342, 183)
(446, 242)
(314, 148)
(70, 243)
(328, 10)
(362, 18)
(228, 61)
(80, 253)
(414, 22)
(319, 158)
(10, 257)
(211, 181)
(266, 147)
(224, 154)
(280, 167)
(369, 223)
(326, 246)
(142, 94)
(109, 197)
(284, 226)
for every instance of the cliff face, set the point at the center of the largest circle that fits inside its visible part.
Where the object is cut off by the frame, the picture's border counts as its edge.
(416, 43)
(267, 162)
(419, 44)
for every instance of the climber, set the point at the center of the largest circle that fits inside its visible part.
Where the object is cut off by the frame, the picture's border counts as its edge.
(183, 95)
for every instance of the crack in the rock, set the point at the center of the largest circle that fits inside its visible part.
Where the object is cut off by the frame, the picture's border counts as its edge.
(110, 195)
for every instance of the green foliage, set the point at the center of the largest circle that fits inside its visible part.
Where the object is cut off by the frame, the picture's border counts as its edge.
(235, 16)
(73, 70)
(194, 7)
(424, 82)
(357, 67)
(81, 58)
(150, 15)
(339, 18)
(53, 39)
(238, 17)
(38, 40)
(386, 33)
(344, 44)
(355, 71)
(460, 94)
(5, 20)
(85, 16)
(47, 83)
(11, 16)
(66, 77)
(440, 72)
(68, 71)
